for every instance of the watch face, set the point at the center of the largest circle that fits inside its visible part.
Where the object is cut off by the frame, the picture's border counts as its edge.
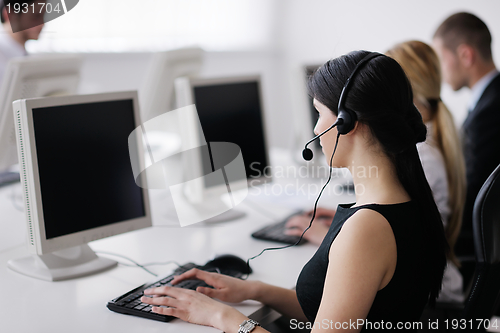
(248, 325)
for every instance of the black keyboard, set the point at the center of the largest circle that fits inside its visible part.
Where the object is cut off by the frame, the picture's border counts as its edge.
(130, 302)
(276, 232)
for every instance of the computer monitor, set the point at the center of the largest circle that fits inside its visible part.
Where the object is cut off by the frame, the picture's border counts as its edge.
(77, 180)
(229, 110)
(304, 115)
(27, 77)
(309, 71)
(308, 116)
(157, 95)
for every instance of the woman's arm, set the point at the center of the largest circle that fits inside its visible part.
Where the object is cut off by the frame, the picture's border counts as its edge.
(280, 299)
(319, 228)
(197, 307)
(362, 260)
(233, 290)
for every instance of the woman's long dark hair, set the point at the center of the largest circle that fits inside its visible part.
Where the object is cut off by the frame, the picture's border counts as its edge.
(382, 98)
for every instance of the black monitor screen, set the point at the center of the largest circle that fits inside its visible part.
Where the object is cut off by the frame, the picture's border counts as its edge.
(86, 178)
(231, 112)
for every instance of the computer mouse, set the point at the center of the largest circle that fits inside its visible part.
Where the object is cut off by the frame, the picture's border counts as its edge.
(227, 262)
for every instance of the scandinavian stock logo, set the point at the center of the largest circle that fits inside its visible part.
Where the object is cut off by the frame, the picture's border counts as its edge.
(204, 165)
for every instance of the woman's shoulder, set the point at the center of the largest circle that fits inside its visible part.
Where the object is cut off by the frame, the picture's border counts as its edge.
(366, 225)
(367, 242)
(374, 221)
(390, 213)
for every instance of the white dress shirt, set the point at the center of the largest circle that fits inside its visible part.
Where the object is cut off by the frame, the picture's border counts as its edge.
(435, 172)
(478, 89)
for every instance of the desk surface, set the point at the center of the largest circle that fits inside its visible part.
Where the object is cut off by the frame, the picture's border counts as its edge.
(79, 305)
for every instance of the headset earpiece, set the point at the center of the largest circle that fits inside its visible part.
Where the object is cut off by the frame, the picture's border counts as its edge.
(348, 118)
(344, 113)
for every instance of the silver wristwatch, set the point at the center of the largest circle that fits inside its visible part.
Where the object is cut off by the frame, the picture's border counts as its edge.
(248, 326)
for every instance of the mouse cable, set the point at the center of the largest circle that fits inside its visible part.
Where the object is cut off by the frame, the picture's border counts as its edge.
(313, 215)
(136, 264)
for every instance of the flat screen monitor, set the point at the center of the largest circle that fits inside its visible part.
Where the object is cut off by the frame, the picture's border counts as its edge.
(228, 110)
(231, 110)
(309, 71)
(157, 92)
(77, 178)
(157, 95)
(28, 77)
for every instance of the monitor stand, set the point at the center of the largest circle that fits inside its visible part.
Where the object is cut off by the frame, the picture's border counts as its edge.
(228, 215)
(210, 211)
(64, 264)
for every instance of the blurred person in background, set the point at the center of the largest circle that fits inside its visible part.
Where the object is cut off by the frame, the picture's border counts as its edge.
(12, 44)
(463, 43)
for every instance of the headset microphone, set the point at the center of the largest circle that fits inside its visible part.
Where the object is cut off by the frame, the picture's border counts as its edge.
(346, 119)
(307, 153)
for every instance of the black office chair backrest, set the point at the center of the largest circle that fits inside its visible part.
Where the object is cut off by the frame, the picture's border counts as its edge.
(484, 295)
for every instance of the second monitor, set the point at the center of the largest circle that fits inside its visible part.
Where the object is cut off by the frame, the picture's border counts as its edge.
(28, 77)
(229, 110)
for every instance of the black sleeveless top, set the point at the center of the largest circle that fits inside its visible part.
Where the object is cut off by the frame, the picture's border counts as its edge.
(404, 297)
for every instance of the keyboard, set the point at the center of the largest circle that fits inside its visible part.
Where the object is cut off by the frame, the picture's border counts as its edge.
(130, 302)
(276, 232)
(7, 178)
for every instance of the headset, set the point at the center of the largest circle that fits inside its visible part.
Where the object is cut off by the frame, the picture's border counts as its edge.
(346, 120)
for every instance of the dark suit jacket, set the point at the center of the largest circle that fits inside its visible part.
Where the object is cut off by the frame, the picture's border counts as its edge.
(482, 154)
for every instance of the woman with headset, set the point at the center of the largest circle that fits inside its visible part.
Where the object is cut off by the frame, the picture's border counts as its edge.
(391, 238)
(441, 156)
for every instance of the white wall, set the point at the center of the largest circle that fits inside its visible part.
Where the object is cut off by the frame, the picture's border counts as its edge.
(314, 31)
(308, 32)
(156, 25)
(105, 72)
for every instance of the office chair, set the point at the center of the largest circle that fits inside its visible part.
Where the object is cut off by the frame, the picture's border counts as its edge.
(484, 296)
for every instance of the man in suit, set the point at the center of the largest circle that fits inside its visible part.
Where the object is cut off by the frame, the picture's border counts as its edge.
(463, 43)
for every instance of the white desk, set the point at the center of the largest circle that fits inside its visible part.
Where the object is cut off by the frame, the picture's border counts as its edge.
(79, 305)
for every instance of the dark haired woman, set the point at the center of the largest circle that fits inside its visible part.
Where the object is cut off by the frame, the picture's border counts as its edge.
(383, 257)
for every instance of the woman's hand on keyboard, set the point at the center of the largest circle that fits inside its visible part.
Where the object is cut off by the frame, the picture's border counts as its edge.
(225, 288)
(193, 307)
(298, 223)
